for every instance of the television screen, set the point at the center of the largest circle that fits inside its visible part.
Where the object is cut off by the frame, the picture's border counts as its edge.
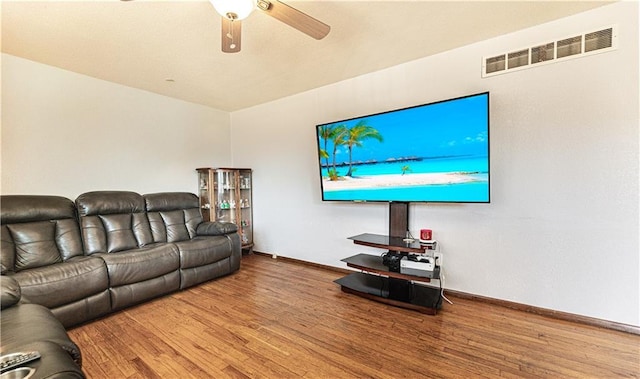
(437, 152)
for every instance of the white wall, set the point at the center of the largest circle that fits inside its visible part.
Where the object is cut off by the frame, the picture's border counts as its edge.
(64, 134)
(561, 231)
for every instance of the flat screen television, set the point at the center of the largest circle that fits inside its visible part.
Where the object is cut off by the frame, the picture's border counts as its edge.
(436, 152)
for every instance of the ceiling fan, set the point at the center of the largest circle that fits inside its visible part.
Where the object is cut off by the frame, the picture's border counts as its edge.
(233, 11)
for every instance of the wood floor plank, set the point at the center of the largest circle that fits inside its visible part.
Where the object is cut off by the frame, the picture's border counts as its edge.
(281, 319)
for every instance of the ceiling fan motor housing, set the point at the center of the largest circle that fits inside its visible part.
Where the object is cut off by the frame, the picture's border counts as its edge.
(239, 9)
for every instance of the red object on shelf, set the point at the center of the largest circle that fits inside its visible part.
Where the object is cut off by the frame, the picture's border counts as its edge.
(426, 234)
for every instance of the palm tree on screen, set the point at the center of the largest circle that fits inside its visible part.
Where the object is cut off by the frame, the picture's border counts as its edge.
(326, 133)
(338, 135)
(356, 135)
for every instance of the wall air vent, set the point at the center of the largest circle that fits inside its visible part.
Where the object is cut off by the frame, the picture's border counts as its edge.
(602, 39)
(542, 53)
(518, 59)
(569, 46)
(576, 46)
(495, 64)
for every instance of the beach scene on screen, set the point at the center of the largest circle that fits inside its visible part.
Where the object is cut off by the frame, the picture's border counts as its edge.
(434, 153)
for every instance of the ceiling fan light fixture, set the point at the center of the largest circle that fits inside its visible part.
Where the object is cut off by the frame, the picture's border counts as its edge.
(240, 9)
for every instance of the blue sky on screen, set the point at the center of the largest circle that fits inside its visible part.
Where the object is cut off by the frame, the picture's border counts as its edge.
(454, 127)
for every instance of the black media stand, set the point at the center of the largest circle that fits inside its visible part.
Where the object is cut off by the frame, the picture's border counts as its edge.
(377, 283)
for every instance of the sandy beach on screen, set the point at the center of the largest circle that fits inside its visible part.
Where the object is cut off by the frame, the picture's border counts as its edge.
(396, 180)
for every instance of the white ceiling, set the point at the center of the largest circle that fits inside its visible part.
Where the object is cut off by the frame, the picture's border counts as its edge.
(143, 43)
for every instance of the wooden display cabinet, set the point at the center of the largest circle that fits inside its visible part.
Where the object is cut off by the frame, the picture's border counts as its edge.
(226, 196)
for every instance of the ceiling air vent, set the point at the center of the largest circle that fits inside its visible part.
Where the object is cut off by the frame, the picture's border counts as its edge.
(575, 46)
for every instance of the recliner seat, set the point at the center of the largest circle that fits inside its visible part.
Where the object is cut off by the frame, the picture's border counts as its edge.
(115, 227)
(29, 327)
(42, 250)
(176, 218)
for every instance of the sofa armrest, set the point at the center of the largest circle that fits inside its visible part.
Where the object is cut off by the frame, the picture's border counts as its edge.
(10, 291)
(216, 228)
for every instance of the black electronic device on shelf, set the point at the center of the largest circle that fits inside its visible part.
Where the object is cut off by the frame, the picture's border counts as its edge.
(392, 260)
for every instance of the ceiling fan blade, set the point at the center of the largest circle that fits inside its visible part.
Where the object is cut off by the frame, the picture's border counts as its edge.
(231, 33)
(295, 18)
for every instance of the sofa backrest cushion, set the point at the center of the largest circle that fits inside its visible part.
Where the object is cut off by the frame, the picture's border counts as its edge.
(113, 221)
(35, 244)
(173, 216)
(37, 231)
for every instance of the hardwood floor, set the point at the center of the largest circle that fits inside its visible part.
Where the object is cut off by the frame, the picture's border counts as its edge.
(278, 319)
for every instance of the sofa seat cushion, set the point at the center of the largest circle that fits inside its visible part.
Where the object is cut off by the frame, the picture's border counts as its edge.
(24, 324)
(202, 251)
(63, 283)
(133, 266)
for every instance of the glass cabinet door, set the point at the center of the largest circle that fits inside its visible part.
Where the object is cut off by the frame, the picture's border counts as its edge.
(205, 186)
(225, 195)
(246, 201)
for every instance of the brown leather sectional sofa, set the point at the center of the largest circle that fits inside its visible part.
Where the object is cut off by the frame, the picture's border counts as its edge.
(65, 263)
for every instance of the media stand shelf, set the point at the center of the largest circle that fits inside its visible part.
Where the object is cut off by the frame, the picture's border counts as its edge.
(386, 242)
(376, 282)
